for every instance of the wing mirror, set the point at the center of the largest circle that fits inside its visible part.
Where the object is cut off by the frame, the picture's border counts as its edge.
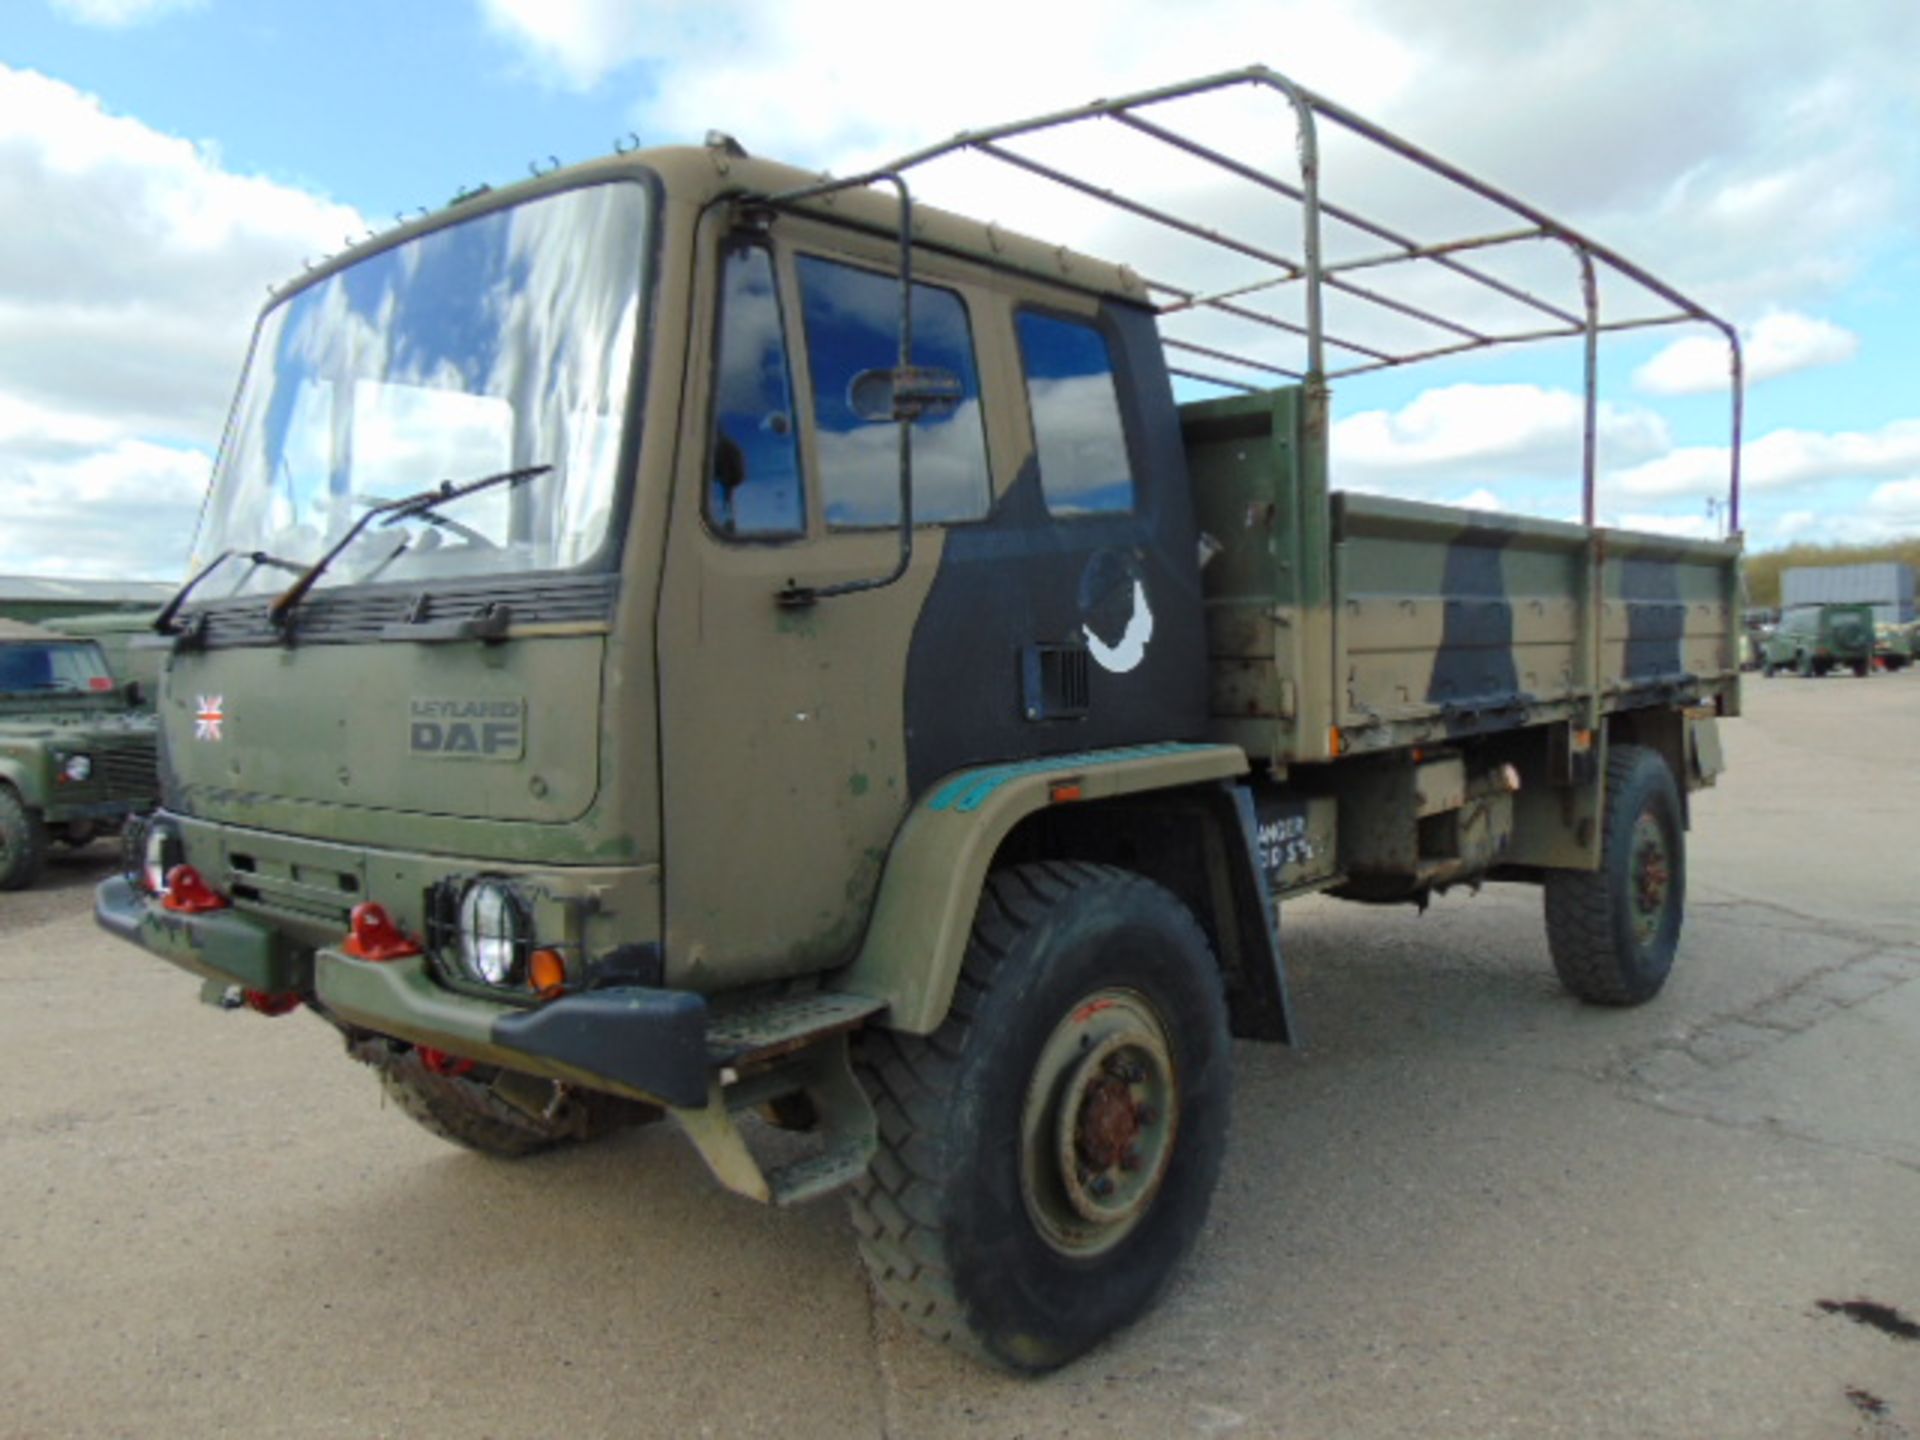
(905, 392)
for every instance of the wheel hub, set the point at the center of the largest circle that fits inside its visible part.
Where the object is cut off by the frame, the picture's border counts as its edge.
(1098, 1126)
(1652, 878)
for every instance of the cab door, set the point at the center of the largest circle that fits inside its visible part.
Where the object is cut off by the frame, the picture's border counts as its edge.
(1051, 607)
(783, 762)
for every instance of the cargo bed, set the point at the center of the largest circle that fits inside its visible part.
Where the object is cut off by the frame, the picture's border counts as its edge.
(1349, 623)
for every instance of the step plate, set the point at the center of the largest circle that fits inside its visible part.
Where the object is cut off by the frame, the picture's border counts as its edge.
(762, 1030)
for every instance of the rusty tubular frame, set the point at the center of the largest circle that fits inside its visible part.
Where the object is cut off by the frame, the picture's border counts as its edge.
(1315, 274)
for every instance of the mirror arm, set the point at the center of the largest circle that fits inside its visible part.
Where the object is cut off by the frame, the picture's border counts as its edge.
(795, 596)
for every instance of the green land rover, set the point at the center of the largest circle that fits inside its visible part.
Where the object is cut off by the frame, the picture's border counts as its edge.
(76, 753)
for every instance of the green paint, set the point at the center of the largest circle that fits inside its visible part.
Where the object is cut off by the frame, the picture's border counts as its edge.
(858, 784)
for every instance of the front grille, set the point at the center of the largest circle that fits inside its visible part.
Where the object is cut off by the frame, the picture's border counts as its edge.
(128, 770)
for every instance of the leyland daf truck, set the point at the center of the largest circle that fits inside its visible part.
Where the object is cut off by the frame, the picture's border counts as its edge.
(680, 637)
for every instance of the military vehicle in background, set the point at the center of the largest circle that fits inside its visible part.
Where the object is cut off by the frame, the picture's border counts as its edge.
(1818, 638)
(76, 754)
(120, 634)
(838, 683)
(1893, 645)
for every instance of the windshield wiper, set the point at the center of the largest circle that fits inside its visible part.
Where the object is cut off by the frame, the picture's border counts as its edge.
(163, 622)
(400, 510)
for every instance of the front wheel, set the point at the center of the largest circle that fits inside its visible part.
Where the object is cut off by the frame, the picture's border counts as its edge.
(1613, 931)
(1048, 1155)
(455, 1100)
(23, 842)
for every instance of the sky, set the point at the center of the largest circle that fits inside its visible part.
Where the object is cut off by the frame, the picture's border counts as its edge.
(163, 163)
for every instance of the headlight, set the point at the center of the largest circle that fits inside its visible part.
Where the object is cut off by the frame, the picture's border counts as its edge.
(494, 933)
(78, 768)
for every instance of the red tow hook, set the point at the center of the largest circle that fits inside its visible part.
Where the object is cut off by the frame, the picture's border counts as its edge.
(375, 936)
(189, 894)
(262, 1002)
(439, 1062)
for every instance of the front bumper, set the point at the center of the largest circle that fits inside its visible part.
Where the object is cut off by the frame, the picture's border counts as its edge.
(645, 1043)
(649, 1044)
(220, 945)
(60, 811)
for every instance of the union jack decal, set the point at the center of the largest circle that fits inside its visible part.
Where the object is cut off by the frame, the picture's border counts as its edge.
(209, 717)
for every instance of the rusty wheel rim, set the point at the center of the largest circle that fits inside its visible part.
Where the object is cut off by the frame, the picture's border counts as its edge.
(1098, 1125)
(1650, 878)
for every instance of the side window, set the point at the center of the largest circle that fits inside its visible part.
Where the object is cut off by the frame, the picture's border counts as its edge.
(1076, 416)
(852, 320)
(753, 483)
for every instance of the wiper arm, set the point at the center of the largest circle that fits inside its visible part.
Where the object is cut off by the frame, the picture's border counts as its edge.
(163, 622)
(399, 509)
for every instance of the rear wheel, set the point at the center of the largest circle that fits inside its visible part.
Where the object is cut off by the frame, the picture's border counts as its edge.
(1613, 931)
(23, 842)
(1047, 1156)
(1860, 668)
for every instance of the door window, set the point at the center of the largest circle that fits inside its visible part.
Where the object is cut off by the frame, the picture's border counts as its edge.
(853, 324)
(1077, 432)
(753, 478)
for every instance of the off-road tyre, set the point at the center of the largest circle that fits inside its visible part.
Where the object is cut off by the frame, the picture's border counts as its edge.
(1612, 940)
(1860, 668)
(23, 842)
(965, 1227)
(462, 1109)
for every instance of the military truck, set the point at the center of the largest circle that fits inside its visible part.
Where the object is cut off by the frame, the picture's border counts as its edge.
(1814, 639)
(76, 756)
(683, 635)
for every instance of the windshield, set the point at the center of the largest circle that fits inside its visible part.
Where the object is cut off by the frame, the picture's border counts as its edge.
(64, 668)
(503, 341)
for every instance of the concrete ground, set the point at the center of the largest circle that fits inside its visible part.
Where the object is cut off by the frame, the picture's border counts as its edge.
(1470, 1207)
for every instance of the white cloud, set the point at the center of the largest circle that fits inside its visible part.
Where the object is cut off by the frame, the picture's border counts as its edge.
(1782, 460)
(125, 510)
(131, 270)
(1778, 344)
(820, 82)
(1754, 164)
(1511, 446)
(119, 14)
(1896, 505)
(1460, 434)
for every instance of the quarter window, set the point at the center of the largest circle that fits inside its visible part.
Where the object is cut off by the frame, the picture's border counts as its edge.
(853, 324)
(753, 479)
(1076, 416)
